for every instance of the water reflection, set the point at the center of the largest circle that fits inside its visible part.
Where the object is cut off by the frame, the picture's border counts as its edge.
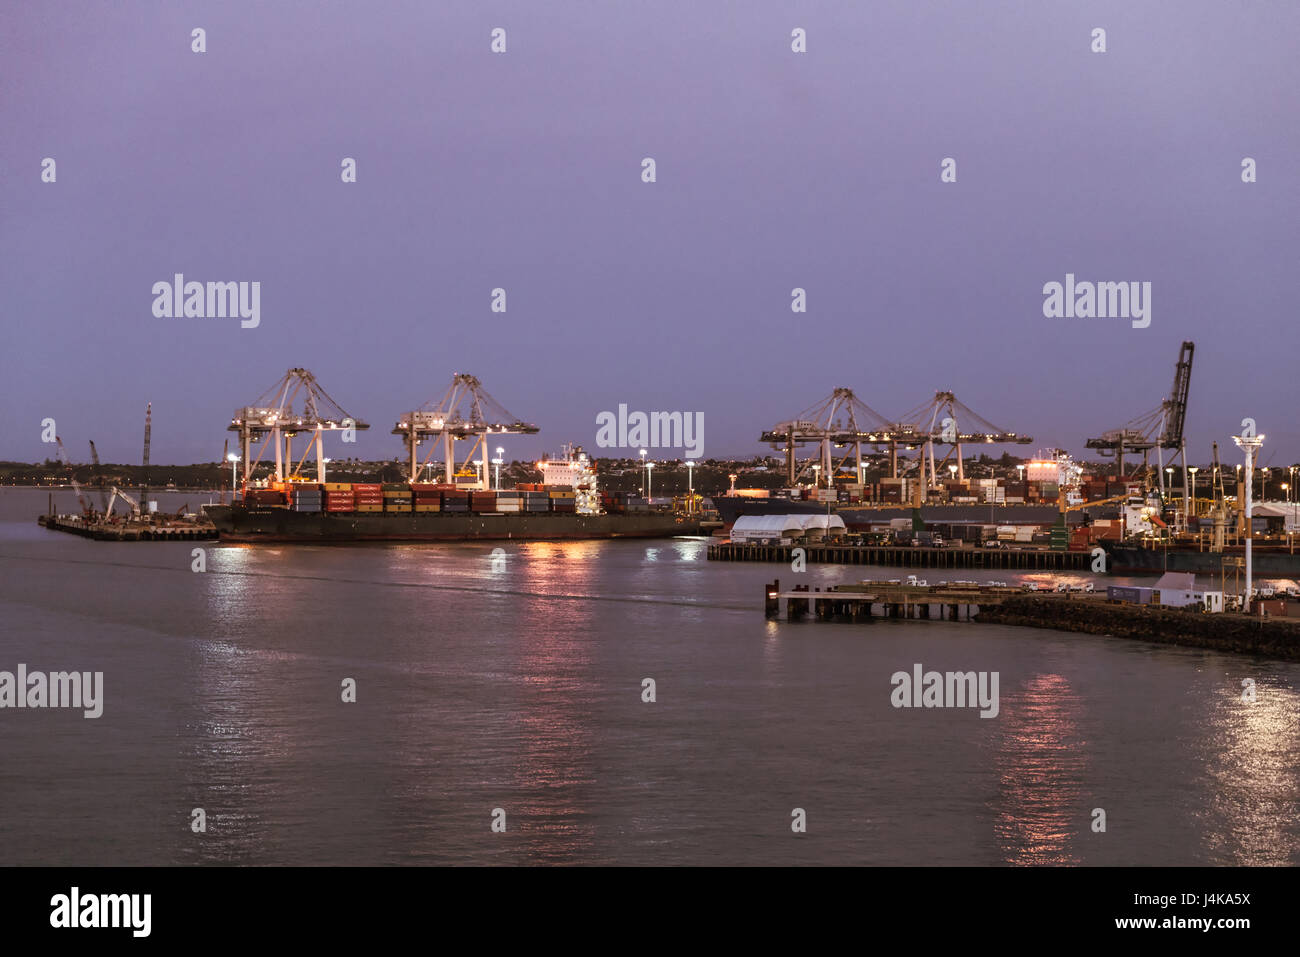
(552, 773)
(1041, 766)
(1248, 810)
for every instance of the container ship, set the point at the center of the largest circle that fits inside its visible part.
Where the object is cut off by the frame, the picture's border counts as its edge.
(859, 518)
(1267, 560)
(567, 505)
(1036, 500)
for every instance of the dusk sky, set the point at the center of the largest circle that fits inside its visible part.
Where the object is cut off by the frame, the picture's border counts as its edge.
(522, 170)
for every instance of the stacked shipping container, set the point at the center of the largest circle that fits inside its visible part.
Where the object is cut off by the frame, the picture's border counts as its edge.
(397, 498)
(342, 497)
(339, 497)
(368, 497)
(305, 498)
(426, 497)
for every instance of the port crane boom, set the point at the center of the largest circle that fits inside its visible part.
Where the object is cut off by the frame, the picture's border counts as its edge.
(118, 493)
(1159, 429)
(842, 419)
(465, 411)
(72, 478)
(274, 419)
(945, 420)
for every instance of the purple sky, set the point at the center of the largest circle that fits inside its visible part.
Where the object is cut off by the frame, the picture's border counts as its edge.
(522, 170)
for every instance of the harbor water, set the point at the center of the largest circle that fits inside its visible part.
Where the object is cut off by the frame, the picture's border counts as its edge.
(506, 682)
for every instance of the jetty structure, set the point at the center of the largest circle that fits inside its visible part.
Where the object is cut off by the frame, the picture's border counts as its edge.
(1176, 615)
(139, 520)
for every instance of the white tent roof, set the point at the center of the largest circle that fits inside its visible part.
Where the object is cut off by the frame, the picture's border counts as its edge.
(818, 520)
(780, 524)
(1275, 510)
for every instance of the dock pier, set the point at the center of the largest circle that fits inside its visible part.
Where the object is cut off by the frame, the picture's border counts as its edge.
(1088, 613)
(858, 603)
(129, 531)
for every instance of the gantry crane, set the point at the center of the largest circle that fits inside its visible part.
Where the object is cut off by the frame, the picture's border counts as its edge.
(843, 419)
(464, 411)
(944, 420)
(1159, 429)
(273, 416)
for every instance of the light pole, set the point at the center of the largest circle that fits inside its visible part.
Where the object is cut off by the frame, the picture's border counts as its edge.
(1250, 444)
(232, 458)
(649, 482)
(647, 474)
(1263, 486)
(497, 462)
(324, 464)
(733, 476)
(690, 486)
(1191, 506)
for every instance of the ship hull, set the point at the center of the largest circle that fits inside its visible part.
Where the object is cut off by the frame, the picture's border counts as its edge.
(240, 524)
(1133, 559)
(860, 518)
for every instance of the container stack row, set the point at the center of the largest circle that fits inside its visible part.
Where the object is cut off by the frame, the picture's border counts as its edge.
(624, 502)
(339, 497)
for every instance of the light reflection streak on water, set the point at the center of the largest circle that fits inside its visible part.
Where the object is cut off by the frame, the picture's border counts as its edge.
(553, 768)
(1252, 782)
(232, 742)
(1041, 766)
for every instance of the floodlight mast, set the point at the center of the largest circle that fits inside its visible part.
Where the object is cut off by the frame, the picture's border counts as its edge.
(1250, 444)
